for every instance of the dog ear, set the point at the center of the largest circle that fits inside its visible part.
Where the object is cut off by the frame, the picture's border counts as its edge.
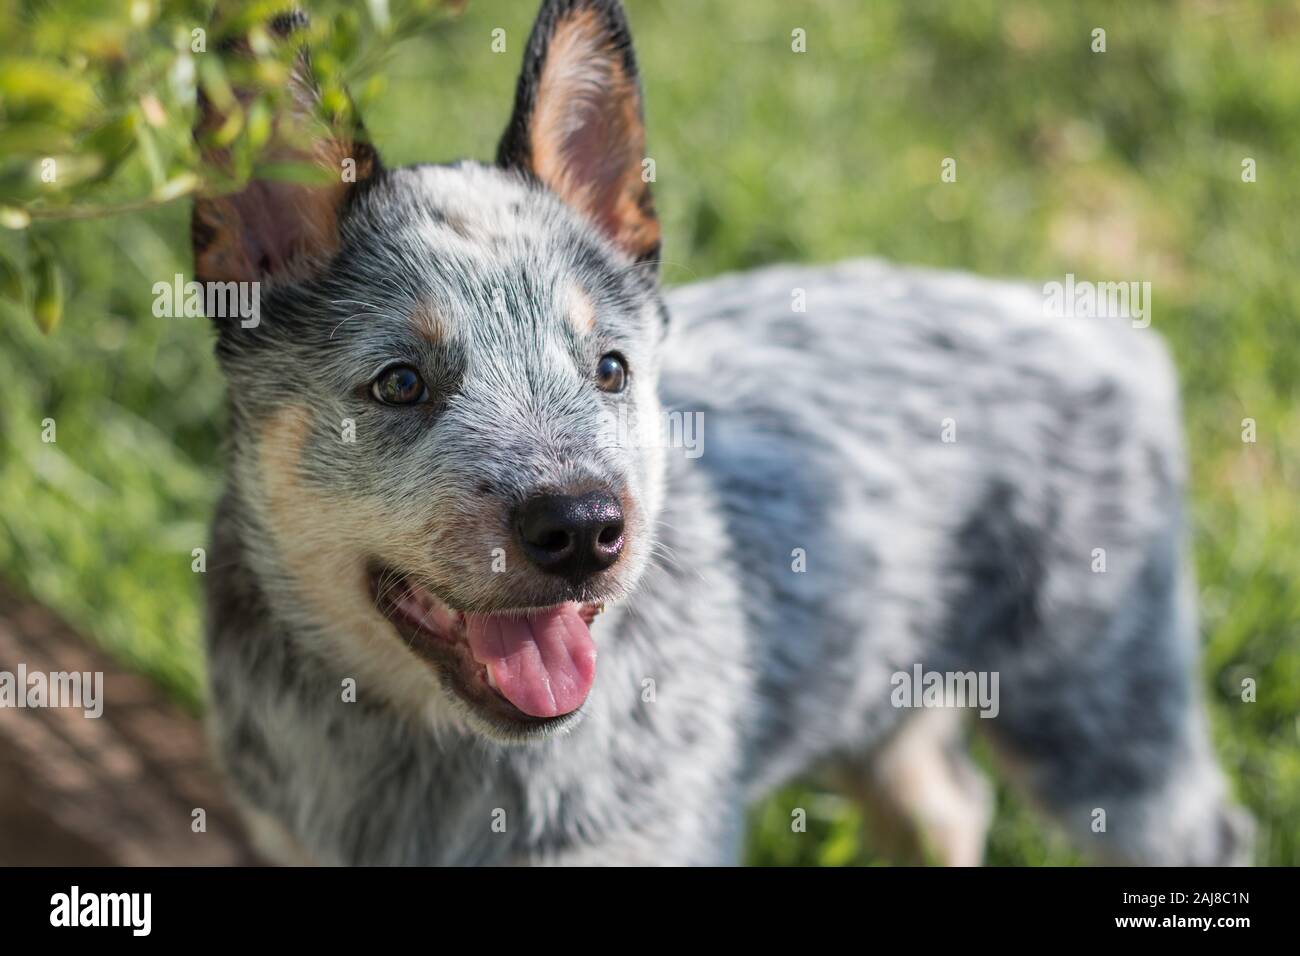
(273, 228)
(578, 126)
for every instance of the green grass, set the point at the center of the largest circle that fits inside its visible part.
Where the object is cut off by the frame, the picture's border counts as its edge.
(1120, 165)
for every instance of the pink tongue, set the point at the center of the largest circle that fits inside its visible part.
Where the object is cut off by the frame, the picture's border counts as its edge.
(544, 663)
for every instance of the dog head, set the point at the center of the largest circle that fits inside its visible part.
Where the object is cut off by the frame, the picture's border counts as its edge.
(445, 416)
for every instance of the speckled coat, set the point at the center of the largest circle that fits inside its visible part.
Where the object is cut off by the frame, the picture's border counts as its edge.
(917, 468)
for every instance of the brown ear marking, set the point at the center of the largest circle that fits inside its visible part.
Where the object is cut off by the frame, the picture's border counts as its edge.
(274, 229)
(578, 124)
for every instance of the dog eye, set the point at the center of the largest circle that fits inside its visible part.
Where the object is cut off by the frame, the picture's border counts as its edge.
(611, 373)
(399, 385)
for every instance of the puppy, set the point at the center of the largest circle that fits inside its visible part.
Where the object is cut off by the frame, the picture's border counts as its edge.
(523, 560)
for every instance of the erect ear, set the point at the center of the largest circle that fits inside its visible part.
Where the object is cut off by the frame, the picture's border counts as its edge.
(273, 229)
(577, 124)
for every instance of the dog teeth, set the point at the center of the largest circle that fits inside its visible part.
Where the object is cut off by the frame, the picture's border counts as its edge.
(491, 681)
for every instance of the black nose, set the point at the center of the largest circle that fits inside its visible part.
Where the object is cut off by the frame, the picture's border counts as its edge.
(571, 536)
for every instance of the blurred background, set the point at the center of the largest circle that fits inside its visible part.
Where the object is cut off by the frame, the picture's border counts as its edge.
(1118, 165)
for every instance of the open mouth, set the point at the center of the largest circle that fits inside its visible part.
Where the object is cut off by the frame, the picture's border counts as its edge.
(527, 666)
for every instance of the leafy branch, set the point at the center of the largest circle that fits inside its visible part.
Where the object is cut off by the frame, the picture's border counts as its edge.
(97, 106)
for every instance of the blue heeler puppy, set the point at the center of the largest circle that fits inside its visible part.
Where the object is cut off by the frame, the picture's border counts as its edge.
(469, 604)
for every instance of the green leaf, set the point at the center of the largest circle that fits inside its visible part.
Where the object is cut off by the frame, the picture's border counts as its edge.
(215, 83)
(11, 282)
(258, 123)
(114, 140)
(47, 304)
(149, 152)
(306, 173)
(180, 185)
(29, 86)
(34, 139)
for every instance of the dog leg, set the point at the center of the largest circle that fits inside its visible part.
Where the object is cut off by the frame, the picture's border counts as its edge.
(272, 839)
(925, 799)
(1107, 734)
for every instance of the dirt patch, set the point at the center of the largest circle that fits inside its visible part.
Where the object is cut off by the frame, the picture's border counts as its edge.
(118, 790)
